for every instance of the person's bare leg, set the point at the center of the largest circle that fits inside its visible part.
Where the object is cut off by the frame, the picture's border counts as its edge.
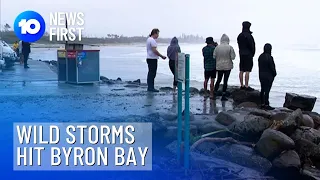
(205, 87)
(212, 88)
(241, 78)
(247, 79)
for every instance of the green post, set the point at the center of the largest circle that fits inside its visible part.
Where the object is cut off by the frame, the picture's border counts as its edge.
(179, 120)
(187, 114)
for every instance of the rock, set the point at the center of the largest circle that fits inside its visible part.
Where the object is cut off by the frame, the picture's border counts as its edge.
(262, 113)
(292, 122)
(303, 102)
(310, 173)
(221, 167)
(202, 92)
(132, 86)
(244, 156)
(286, 166)
(119, 79)
(172, 132)
(272, 143)
(138, 81)
(166, 89)
(241, 96)
(207, 124)
(280, 116)
(247, 105)
(307, 149)
(252, 126)
(194, 90)
(307, 133)
(169, 116)
(316, 118)
(102, 78)
(307, 121)
(226, 118)
(191, 116)
(287, 159)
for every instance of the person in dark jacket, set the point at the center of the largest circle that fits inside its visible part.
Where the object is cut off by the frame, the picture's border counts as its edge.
(267, 73)
(209, 66)
(26, 49)
(247, 51)
(172, 54)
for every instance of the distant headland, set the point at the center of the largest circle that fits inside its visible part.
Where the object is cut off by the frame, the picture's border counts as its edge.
(10, 37)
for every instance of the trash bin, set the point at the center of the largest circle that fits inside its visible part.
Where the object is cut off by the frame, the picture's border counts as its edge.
(78, 66)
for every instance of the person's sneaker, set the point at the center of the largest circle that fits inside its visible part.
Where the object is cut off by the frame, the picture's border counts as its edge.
(249, 88)
(268, 108)
(242, 88)
(224, 98)
(26, 67)
(262, 106)
(153, 90)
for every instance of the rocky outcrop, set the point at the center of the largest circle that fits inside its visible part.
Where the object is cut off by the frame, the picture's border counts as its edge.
(303, 102)
(307, 121)
(240, 96)
(272, 143)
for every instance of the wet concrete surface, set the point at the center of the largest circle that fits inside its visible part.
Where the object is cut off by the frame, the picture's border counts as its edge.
(34, 95)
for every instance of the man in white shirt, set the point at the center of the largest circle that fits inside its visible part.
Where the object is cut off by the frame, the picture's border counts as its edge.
(152, 59)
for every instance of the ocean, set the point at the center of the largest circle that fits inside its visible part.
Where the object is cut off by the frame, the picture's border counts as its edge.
(298, 67)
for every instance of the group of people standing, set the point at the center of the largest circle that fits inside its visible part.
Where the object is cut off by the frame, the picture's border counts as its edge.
(218, 61)
(22, 50)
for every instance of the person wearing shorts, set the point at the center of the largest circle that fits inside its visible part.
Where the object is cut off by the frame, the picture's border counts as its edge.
(247, 51)
(209, 66)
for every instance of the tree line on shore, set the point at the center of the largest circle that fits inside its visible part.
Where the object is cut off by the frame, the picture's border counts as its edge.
(10, 37)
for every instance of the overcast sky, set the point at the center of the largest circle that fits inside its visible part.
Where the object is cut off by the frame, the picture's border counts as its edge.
(274, 20)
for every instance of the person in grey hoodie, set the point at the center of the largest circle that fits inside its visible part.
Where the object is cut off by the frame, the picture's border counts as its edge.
(224, 54)
(172, 53)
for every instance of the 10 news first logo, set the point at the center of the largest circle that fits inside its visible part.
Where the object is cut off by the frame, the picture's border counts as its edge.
(30, 26)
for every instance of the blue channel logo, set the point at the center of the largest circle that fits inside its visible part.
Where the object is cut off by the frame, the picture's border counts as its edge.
(29, 26)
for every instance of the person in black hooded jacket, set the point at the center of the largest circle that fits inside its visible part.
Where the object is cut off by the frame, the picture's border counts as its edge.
(267, 73)
(247, 50)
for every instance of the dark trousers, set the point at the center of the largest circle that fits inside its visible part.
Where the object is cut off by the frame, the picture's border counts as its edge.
(172, 65)
(152, 66)
(25, 59)
(225, 74)
(266, 84)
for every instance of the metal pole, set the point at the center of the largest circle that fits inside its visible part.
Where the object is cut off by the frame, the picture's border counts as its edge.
(187, 114)
(179, 120)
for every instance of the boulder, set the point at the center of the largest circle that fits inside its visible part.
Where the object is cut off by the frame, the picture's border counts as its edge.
(286, 166)
(303, 102)
(307, 133)
(252, 126)
(260, 112)
(280, 116)
(307, 121)
(191, 116)
(226, 118)
(194, 90)
(272, 143)
(247, 105)
(287, 159)
(240, 96)
(119, 79)
(316, 118)
(244, 156)
(166, 89)
(292, 122)
(307, 149)
(102, 78)
(202, 92)
(207, 124)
